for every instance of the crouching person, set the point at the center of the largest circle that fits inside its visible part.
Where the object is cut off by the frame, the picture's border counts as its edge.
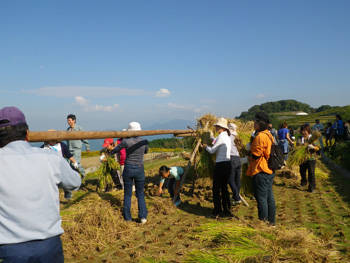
(30, 221)
(174, 174)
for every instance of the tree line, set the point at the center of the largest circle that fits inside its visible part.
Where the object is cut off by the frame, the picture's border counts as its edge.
(172, 143)
(281, 106)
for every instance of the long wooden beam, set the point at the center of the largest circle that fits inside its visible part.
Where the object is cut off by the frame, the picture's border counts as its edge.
(44, 136)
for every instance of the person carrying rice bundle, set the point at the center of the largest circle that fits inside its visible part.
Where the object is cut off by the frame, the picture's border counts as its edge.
(311, 147)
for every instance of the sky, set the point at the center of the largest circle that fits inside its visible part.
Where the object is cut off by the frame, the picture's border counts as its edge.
(111, 62)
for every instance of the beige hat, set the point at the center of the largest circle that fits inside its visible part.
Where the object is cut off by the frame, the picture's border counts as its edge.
(232, 127)
(222, 122)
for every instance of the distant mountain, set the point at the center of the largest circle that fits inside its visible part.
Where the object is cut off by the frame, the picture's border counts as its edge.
(175, 124)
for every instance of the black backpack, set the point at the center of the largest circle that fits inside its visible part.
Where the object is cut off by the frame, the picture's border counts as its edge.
(276, 160)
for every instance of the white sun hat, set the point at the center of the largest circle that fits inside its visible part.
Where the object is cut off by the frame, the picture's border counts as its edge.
(134, 126)
(232, 127)
(222, 122)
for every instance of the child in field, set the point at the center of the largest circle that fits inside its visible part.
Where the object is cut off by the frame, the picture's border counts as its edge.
(106, 152)
(174, 174)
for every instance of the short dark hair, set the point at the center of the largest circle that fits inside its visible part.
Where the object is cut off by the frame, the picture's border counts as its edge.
(163, 169)
(13, 133)
(284, 125)
(306, 128)
(72, 116)
(263, 125)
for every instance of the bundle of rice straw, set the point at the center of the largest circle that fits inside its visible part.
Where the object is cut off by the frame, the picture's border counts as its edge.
(105, 178)
(206, 164)
(300, 154)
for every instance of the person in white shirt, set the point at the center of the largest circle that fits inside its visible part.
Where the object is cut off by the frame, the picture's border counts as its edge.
(222, 148)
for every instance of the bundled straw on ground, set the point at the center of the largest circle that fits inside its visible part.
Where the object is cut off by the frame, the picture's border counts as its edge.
(301, 153)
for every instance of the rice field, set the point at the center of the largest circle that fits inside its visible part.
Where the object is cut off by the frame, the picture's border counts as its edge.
(309, 227)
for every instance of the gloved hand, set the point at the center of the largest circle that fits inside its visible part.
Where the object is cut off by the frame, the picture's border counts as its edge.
(75, 165)
(310, 146)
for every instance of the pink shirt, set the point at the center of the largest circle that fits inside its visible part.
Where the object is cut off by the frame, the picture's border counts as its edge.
(121, 154)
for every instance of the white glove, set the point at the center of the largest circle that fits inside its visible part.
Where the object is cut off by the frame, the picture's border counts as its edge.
(102, 157)
(75, 165)
(310, 146)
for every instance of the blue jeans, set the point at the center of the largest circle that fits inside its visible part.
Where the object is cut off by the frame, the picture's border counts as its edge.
(262, 187)
(284, 146)
(134, 173)
(47, 250)
(235, 177)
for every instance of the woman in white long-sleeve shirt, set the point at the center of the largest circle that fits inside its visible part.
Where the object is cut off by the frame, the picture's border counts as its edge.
(222, 148)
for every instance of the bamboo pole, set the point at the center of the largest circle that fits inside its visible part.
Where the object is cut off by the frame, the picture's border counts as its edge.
(244, 201)
(193, 155)
(190, 134)
(44, 136)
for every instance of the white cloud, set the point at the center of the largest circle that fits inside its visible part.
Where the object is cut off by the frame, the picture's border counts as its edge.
(162, 93)
(73, 91)
(177, 106)
(260, 96)
(84, 103)
(81, 101)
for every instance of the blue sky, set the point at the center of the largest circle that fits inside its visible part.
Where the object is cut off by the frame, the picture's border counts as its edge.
(113, 62)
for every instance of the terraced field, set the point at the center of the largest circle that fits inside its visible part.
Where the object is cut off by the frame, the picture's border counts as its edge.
(310, 227)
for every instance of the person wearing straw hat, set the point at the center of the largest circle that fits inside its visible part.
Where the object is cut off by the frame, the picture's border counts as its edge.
(30, 221)
(222, 148)
(134, 172)
(258, 169)
(235, 175)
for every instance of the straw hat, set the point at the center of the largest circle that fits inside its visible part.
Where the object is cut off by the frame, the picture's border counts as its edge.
(222, 122)
(232, 127)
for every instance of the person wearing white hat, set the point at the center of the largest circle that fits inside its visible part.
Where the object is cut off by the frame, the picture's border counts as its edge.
(134, 172)
(222, 148)
(235, 175)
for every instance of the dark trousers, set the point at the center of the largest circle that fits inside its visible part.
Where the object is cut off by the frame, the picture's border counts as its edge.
(171, 187)
(39, 251)
(262, 187)
(235, 177)
(221, 196)
(308, 166)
